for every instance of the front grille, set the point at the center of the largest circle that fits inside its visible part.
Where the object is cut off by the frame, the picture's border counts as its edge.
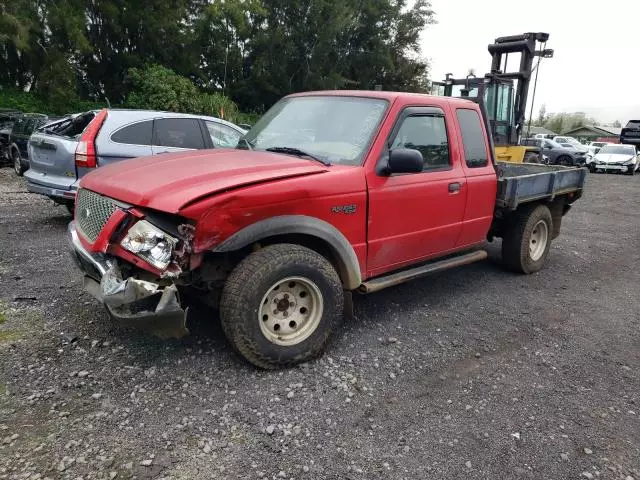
(92, 213)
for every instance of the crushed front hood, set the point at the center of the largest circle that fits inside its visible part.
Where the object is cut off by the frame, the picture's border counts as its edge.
(168, 182)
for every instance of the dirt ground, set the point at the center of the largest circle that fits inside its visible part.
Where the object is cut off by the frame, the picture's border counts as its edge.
(475, 373)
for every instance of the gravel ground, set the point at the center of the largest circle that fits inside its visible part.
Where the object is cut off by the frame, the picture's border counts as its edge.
(474, 373)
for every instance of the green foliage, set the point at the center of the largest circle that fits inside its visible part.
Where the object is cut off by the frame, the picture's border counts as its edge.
(159, 88)
(29, 102)
(252, 51)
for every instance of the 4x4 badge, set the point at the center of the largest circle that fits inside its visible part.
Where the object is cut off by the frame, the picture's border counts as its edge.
(346, 209)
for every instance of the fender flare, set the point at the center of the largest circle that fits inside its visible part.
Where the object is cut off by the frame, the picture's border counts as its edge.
(301, 224)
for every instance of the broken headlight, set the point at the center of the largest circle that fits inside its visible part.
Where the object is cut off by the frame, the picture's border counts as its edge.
(150, 243)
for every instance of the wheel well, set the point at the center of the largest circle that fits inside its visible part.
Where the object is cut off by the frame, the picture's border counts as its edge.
(558, 207)
(311, 242)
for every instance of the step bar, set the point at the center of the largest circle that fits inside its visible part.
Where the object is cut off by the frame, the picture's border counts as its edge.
(397, 278)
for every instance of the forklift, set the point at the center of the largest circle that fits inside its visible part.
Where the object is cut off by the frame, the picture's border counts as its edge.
(502, 95)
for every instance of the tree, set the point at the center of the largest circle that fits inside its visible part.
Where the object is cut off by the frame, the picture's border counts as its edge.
(617, 124)
(159, 88)
(254, 51)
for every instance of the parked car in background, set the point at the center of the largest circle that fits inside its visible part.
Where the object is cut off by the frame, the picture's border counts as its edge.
(19, 136)
(7, 119)
(579, 154)
(572, 141)
(631, 133)
(594, 147)
(542, 135)
(555, 154)
(63, 153)
(616, 158)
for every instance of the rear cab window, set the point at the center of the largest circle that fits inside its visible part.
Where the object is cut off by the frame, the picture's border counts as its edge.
(178, 133)
(473, 138)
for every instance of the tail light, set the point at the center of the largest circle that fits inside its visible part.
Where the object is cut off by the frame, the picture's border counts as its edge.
(86, 149)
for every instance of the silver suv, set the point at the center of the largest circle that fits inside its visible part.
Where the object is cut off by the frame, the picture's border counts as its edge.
(61, 155)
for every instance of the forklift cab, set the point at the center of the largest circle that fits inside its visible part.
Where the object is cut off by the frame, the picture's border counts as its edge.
(495, 94)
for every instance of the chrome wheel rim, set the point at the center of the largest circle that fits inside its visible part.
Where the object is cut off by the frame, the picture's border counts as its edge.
(538, 241)
(290, 311)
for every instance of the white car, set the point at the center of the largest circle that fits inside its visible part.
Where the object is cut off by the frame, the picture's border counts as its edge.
(594, 147)
(574, 143)
(616, 158)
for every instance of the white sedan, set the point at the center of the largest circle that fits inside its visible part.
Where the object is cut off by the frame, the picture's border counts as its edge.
(616, 158)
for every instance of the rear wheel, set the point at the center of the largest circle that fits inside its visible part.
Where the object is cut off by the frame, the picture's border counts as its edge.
(527, 238)
(281, 305)
(17, 162)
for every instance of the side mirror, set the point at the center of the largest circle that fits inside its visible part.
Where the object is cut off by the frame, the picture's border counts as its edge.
(404, 160)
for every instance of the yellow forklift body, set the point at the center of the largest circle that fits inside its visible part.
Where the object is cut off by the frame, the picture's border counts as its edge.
(510, 153)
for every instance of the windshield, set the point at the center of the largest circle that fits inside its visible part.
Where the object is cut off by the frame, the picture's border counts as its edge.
(334, 129)
(617, 150)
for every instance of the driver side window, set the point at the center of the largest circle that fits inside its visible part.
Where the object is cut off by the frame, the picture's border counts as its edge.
(428, 135)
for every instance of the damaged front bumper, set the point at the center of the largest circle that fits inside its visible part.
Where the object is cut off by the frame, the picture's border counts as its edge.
(131, 301)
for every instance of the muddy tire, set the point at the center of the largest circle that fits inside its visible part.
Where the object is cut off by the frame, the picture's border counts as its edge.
(281, 305)
(527, 239)
(531, 157)
(16, 159)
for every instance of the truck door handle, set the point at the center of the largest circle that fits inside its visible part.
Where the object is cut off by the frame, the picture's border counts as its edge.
(454, 187)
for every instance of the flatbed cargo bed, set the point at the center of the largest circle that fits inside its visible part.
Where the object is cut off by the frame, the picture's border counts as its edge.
(523, 183)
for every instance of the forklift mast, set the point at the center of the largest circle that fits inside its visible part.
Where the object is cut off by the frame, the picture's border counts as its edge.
(524, 44)
(505, 108)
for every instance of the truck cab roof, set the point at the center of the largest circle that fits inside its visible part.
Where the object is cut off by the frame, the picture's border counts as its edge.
(389, 96)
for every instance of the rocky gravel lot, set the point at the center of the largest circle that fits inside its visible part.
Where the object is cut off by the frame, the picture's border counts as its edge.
(475, 373)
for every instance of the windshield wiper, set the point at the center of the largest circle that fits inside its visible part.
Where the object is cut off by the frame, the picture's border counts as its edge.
(297, 152)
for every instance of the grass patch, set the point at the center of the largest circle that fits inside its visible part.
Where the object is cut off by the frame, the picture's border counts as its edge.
(9, 335)
(3, 318)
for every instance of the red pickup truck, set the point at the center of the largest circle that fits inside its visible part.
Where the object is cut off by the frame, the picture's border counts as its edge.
(329, 193)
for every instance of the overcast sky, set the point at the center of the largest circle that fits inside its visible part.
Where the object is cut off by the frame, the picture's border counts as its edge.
(596, 67)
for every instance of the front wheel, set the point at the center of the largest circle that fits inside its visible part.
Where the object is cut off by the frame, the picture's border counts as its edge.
(527, 238)
(565, 161)
(280, 305)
